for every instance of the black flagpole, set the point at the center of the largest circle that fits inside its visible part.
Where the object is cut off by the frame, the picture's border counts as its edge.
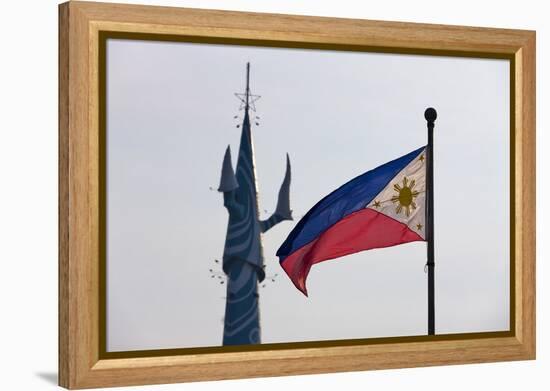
(430, 114)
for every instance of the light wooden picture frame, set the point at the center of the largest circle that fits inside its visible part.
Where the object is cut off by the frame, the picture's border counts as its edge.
(84, 28)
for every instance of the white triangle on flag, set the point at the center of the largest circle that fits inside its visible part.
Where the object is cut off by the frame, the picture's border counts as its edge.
(404, 197)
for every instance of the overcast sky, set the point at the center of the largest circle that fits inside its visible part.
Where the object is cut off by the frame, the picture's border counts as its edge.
(170, 117)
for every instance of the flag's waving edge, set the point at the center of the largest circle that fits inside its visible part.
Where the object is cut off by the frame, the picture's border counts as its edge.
(381, 208)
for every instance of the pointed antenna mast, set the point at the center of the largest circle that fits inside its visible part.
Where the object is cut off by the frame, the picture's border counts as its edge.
(247, 85)
(247, 98)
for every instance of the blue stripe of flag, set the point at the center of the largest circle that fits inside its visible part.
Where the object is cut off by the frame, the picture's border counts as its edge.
(348, 198)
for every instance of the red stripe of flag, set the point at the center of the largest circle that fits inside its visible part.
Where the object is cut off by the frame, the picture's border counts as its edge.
(362, 230)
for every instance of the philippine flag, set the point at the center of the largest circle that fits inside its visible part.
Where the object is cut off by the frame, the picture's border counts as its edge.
(381, 208)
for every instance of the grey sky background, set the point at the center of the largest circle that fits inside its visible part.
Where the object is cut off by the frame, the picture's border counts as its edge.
(338, 114)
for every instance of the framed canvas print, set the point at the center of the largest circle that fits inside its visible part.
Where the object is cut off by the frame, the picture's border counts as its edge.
(248, 195)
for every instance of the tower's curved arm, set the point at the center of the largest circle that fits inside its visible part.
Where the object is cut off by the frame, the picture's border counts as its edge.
(283, 211)
(228, 184)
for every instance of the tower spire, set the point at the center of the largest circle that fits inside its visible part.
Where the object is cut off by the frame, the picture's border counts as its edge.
(248, 99)
(247, 86)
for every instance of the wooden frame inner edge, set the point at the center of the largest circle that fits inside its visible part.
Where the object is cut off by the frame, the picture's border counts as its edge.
(80, 23)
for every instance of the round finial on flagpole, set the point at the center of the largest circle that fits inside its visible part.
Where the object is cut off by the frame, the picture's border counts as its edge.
(430, 114)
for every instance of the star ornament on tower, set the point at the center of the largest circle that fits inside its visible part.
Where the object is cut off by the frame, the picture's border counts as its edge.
(251, 100)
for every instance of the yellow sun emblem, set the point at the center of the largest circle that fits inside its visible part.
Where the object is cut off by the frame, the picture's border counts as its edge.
(405, 196)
